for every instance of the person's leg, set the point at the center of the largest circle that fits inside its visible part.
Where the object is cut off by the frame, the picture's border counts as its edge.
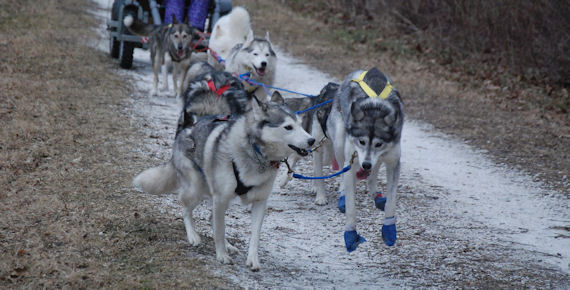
(174, 7)
(197, 13)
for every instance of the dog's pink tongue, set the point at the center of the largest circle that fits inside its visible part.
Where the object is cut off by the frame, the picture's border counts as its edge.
(362, 174)
(180, 53)
(335, 164)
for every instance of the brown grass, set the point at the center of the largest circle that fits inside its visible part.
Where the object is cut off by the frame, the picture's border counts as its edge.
(68, 215)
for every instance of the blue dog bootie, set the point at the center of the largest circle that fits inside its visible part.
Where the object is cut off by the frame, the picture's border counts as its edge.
(341, 203)
(389, 231)
(380, 201)
(352, 239)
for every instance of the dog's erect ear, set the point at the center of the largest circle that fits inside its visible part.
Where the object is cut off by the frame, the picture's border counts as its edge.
(174, 20)
(248, 39)
(259, 108)
(356, 112)
(267, 37)
(219, 31)
(277, 98)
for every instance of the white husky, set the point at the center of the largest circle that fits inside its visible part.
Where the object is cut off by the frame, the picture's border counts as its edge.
(233, 40)
(225, 158)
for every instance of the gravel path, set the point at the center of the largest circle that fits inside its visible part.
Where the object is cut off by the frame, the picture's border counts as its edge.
(462, 220)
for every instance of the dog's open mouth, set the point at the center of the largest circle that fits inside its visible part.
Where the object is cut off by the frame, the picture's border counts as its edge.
(260, 71)
(302, 152)
(180, 52)
(362, 173)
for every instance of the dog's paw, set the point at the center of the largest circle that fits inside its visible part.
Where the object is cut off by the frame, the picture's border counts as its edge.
(194, 239)
(341, 204)
(352, 239)
(253, 261)
(164, 88)
(321, 199)
(389, 234)
(224, 258)
(380, 201)
(230, 248)
(285, 180)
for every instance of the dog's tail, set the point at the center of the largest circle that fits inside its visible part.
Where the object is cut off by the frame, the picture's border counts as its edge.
(157, 180)
(137, 27)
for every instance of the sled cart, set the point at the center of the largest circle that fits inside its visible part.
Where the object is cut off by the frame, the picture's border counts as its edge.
(122, 43)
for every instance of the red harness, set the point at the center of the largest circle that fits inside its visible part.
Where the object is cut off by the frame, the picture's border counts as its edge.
(219, 91)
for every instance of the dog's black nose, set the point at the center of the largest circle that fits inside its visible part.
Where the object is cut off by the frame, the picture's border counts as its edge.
(263, 64)
(311, 141)
(366, 165)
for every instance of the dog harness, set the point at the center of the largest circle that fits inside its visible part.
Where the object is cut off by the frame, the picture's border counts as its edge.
(369, 91)
(219, 91)
(240, 188)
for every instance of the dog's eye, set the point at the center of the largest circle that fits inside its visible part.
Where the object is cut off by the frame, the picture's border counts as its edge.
(377, 145)
(288, 127)
(267, 54)
(362, 142)
(255, 53)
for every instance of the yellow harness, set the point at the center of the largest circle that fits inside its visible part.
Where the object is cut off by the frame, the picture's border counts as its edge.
(369, 91)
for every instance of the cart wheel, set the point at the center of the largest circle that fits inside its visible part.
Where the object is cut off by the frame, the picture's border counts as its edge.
(114, 47)
(114, 44)
(126, 54)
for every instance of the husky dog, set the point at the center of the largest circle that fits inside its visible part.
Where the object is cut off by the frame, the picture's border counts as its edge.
(314, 121)
(366, 119)
(230, 30)
(174, 39)
(227, 158)
(212, 93)
(233, 40)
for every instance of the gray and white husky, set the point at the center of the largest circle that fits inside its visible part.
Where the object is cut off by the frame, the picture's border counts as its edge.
(233, 39)
(227, 158)
(365, 126)
(174, 39)
(315, 122)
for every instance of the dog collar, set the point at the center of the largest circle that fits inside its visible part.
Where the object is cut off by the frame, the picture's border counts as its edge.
(219, 91)
(257, 150)
(369, 91)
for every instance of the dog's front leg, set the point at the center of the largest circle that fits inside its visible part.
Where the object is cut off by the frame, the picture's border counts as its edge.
(319, 184)
(392, 176)
(219, 207)
(175, 74)
(165, 64)
(183, 72)
(257, 214)
(351, 237)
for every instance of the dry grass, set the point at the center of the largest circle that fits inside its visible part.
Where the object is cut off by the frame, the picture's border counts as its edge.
(68, 215)
(520, 124)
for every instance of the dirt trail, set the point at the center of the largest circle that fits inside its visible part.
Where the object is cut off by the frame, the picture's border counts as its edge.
(444, 239)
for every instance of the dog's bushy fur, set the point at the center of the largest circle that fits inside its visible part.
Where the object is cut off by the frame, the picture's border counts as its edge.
(372, 129)
(233, 39)
(223, 158)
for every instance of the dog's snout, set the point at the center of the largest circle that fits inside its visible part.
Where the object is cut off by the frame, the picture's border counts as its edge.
(311, 141)
(366, 165)
(263, 64)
